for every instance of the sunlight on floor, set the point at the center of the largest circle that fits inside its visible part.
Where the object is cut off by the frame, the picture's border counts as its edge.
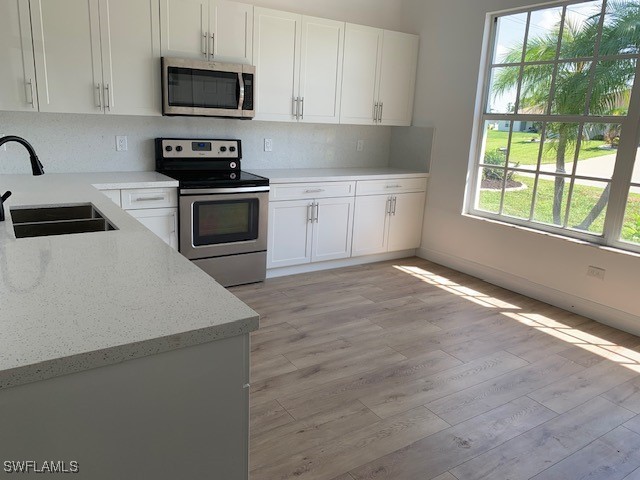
(599, 346)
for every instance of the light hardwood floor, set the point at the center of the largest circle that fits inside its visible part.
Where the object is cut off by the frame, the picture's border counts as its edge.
(409, 370)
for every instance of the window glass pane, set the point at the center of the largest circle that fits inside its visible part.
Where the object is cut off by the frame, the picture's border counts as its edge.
(620, 23)
(544, 28)
(631, 225)
(536, 88)
(588, 206)
(580, 29)
(598, 150)
(518, 195)
(525, 145)
(559, 148)
(571, 87)
(612, 87)
(503, 90)
(551, 200)
(496, 142)
(510, 38)
(490, 191)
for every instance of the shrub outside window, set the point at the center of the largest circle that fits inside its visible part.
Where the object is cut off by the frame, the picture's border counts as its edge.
(559, 130)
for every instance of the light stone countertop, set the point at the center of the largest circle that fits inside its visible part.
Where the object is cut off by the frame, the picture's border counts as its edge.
(300, 175)
(121, 180)
(73, 302)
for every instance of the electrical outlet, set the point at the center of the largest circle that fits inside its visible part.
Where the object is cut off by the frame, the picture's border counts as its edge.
(121, 143)
(596, 272)
(268, 145)
(360, 145)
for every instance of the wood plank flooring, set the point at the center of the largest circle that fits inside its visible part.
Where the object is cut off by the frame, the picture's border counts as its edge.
(408, 370)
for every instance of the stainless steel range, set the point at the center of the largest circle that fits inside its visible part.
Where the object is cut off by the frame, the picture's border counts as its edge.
(222, 210)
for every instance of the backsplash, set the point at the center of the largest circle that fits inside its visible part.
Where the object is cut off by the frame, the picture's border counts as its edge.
(86, 143)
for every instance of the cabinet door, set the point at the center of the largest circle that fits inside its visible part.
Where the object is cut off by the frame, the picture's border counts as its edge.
(321, 70)
(232, 32)
(289, 239)
(362, 56)
(332, 229)
(184, 29)
(161, 221)
(276, 54)
(405, 230)
(370, 225)
(398, 77)
(66, 38)
(130, 56)
(17, 75)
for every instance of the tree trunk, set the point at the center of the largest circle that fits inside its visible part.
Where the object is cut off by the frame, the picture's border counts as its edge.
(596, 210)
(558, 190)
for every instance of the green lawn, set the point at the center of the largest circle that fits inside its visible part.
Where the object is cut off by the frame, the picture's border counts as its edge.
(525, 152)
(517, 204)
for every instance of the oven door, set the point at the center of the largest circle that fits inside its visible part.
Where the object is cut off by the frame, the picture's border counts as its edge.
(193, 87)
(223, 223)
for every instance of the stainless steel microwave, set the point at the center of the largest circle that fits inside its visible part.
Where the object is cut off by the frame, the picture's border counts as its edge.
(212, 89)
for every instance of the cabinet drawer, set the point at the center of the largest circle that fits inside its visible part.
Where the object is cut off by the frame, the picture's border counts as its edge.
(149, 198)
(393, 185)
(301, 191)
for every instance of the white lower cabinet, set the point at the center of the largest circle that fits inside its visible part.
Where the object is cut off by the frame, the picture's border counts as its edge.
(310, 230)
(155, 208)
(388, 222)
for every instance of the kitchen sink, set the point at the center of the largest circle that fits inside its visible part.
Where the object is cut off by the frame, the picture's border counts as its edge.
(58, 220)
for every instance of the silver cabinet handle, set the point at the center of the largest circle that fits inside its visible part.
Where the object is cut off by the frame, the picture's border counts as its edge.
(213, 45)
(387, 208)
(204, 43)
(294, 113)
(107, 97)
(380, 112)
(148, 199)
(302, 108)
(314, 190)
(99, 102)
(375, 112)
(395, 201)
(310, 212)
(317, 211)
(33, 97)
(393, 186)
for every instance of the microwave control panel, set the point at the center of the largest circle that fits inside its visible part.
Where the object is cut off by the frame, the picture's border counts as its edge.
(173, 148)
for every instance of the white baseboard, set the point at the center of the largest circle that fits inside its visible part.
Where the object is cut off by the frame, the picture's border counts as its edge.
(601, 313)
(347, 262)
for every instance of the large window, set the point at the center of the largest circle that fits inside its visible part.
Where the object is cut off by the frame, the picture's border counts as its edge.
(558, 134)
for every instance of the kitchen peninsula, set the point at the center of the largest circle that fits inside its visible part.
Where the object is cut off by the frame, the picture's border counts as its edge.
(115, 351)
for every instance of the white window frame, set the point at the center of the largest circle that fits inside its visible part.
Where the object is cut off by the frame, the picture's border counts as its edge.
(627, 149)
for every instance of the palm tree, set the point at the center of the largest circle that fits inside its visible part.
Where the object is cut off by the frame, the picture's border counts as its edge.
(621, 34)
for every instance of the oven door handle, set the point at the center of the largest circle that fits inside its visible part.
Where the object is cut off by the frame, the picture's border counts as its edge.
(209, 191)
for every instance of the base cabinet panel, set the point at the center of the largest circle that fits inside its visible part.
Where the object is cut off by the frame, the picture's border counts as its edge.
(161, 221)
(370, 225)
(405, 229)
(332, 229)
(289, 238)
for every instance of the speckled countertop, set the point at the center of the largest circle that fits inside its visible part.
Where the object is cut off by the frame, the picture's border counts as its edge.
(73, 302)
(298, 175)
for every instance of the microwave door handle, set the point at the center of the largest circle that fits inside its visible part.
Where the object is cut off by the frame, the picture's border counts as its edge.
(241, 95)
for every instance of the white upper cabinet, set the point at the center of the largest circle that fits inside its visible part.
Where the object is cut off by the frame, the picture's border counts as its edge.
(130, 57)
(17, 75)
(379, 76)
(362, 59)
(96, 56)
(299, 67)
(397, 78)
(67, 54)
(215, 30)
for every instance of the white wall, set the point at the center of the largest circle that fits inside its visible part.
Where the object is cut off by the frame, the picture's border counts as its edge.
(86, 143)
(540, 265)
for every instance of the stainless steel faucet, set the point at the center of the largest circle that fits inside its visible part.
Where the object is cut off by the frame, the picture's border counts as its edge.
(36, 166)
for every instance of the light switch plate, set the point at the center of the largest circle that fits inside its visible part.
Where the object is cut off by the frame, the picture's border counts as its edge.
(268, 145)
(121, 143)
(360, 145)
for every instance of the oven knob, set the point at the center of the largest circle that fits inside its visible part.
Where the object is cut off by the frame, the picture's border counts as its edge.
(232, 149)
(233, 176)
(223, 149)
(178, 148)
(168, 148)
(233, 165)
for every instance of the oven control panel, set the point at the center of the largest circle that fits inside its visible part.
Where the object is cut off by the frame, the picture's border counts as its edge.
(174, 148)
